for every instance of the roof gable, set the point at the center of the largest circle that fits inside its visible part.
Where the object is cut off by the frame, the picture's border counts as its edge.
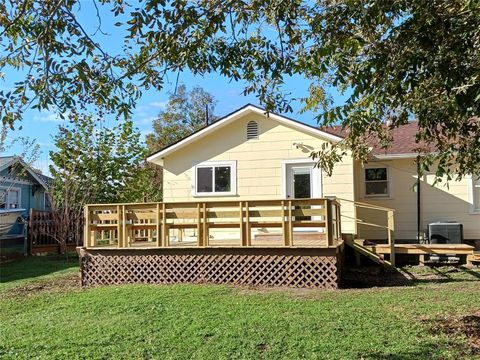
(7, 161)
(237, 114)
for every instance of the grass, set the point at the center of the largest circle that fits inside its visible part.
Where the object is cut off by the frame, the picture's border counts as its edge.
(225, 322)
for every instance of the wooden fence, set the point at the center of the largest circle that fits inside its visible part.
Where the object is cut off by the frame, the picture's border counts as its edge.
(119, 225)
(41, 228)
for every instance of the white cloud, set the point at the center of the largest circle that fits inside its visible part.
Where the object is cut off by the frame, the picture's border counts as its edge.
(158, 104)
(48, 117)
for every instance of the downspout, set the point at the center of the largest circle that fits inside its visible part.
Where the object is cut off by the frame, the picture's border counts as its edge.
(419, 223)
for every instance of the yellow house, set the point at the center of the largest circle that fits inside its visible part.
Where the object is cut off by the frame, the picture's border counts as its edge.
(250, 154)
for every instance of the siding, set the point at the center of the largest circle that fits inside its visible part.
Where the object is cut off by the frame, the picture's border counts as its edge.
(259, 164)
(25, 184)
(438, 203)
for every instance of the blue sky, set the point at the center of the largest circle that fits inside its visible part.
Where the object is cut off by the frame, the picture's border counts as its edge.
(42, 126)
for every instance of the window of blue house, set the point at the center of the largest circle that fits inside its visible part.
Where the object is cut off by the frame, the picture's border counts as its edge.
(9, 198)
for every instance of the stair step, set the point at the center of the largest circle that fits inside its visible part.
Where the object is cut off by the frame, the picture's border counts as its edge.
(357, 246)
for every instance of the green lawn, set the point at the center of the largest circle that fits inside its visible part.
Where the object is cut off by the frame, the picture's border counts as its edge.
(44, 314)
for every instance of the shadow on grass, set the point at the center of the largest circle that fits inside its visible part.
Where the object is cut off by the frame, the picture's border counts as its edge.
(366, 277)
(35, 266)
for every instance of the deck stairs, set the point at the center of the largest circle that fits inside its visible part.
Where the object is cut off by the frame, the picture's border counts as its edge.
(474, 258)
(357, 245)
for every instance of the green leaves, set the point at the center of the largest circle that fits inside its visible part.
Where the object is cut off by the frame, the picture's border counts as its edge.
(185, 113)
(96, 164)
(393, 61)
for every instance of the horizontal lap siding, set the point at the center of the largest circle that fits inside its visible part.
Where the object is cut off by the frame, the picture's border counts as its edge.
(259, 163)
(438, 203)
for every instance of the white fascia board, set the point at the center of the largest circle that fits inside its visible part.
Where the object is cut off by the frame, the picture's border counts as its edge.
(396, 156)
(156, 158)
(198, 135)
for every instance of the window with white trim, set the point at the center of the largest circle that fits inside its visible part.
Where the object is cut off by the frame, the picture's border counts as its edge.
(476, 193)
(376, 182)
(215, 178)
(9, 198)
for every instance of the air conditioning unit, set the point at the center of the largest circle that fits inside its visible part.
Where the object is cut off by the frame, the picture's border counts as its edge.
(445, 233)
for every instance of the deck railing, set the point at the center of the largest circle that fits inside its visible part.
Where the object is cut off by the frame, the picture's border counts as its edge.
(381, 213)
(121, 225)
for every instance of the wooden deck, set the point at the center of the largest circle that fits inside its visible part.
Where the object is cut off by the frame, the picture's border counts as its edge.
(229, 243)
(293, 242)
(164, 224)
(376, 252)
(423, 249)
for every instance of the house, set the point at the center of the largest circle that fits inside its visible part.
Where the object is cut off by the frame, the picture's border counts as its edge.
(21, 186)
(249, 154)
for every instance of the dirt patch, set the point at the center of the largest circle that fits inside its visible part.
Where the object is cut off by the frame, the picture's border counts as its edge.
(465, 325)
(262, 347)
(375, 276)
(66, 283)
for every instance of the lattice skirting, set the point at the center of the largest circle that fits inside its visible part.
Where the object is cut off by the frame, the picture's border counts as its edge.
(256, 268)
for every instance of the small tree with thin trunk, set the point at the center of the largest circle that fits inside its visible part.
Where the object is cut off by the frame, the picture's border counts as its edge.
(93, 164)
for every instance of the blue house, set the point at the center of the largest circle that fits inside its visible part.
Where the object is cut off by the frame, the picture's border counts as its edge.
(21, 186)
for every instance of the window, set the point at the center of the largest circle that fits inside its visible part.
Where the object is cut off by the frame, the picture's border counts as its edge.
(476, 193)
(376, 182)
(9, 198)
(252, 130)
(215, 179)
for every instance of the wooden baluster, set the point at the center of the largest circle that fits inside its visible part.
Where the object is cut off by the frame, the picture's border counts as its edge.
(339, 220)
(165, 239)
(328, 222)
(241, 224)
(205, 226)
(119, 226)
(248, 227)
(289, 238)
(86, 235)
(157, 228)
(284, 224)
(125, 235)
(391, 238)
(199, 225)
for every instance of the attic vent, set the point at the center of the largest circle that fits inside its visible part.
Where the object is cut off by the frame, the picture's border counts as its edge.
(252, 130)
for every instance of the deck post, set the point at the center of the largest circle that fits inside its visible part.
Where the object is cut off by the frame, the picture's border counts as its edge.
(289, 238)
(119, 226)
(86, 235)
(241, 225)
(158, 219)
(391, 239)
(248, 230)
(284, 223)
(205, 225)
(199, 225)
(124, 228)
(328, 222)
(164, 235)
(339, 221)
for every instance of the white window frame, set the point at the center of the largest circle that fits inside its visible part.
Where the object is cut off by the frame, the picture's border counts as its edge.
(233, 178)
(10, 188)
(474, 208)
(388, 195)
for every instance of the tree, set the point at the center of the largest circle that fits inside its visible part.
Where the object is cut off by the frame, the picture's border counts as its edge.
(394, 60)
(94, 164)
(103, 162)
(185, 113)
